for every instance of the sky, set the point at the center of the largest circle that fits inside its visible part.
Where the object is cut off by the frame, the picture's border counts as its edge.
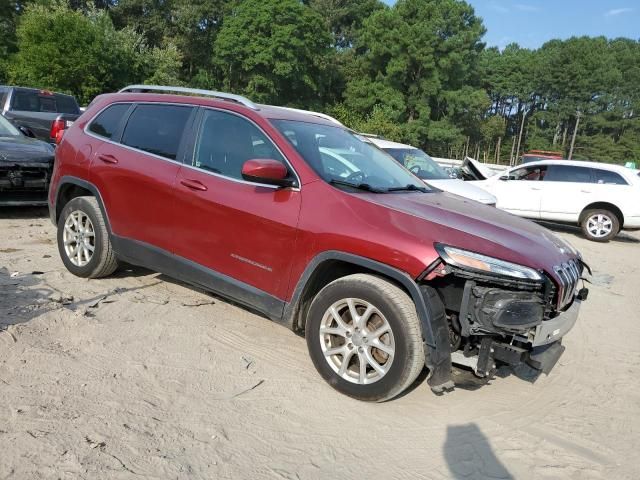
(530, 23)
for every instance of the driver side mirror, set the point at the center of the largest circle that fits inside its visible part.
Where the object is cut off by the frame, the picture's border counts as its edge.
(27, 132)
(504, 178)
(267, 171)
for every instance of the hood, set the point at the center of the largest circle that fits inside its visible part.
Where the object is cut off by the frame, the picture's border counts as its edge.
(474, 170)
(458, 222)
(464, 189)
(24, 150)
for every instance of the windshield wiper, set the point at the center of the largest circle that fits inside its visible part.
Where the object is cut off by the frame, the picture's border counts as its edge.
(359, 186)
(411, 187)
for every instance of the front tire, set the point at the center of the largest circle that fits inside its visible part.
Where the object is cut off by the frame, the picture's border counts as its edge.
(364, 337)
(600, 225)
(83, 239)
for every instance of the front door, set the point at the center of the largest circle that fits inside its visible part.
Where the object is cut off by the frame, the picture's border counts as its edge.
(243, 230)
(518, 191)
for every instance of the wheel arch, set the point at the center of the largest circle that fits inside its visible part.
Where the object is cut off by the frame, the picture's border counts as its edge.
(331, 265)
(72, 187)
(604, 206)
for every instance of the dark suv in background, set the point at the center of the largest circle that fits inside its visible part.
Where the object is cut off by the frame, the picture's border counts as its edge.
(42, 113)
(381, 274)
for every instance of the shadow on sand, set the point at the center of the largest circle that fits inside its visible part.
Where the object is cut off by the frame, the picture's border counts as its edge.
(469, 455)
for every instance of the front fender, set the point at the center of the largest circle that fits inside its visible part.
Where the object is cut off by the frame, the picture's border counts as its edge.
(429, 308)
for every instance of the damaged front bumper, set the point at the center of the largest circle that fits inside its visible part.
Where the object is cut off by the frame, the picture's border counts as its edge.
(540, 349)
(552, 330)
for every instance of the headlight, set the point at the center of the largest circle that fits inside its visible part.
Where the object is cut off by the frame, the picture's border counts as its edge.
(476, 261)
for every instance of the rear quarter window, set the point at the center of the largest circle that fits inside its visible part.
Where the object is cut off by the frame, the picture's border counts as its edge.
(608, 177)
(157, 129)
(107, 123)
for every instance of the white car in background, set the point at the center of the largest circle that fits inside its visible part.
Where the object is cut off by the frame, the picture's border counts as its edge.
(602, 198)
(425, 168)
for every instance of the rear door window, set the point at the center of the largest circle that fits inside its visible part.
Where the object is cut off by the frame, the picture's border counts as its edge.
(157, 129)
(107, 123)
(607, 177)
(568, 173)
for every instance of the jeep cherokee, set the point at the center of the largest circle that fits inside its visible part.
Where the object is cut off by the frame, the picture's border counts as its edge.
(381, 274)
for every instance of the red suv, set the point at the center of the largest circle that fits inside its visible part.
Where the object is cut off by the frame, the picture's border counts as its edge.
(298, 218)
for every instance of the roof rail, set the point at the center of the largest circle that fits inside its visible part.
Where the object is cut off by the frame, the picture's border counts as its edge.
(315, 114)
(194, 91)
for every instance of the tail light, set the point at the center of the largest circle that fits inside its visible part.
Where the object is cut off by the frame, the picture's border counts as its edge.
(57, 129)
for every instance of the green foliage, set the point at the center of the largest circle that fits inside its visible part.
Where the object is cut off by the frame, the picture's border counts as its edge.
(344, 18)
(190, 25)
(274, 51)
(83, 54)
(416, 72)
(419, 61)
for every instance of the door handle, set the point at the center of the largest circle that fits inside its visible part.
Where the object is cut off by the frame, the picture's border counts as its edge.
(108, 159)
(536, 189)
(585, 191)
(194, 185)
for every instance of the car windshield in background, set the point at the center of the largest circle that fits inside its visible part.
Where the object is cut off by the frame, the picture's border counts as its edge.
(419, 163)
(343, 159)
(6, 129)
(36, 101)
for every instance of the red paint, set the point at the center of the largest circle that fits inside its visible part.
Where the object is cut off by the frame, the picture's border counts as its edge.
(264, 168)
(265, 236)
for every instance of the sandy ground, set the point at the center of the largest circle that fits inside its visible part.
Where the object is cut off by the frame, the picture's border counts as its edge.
(137, 376)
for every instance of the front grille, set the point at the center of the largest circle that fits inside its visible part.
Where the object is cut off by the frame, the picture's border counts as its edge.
(569, 274)
(24, 178)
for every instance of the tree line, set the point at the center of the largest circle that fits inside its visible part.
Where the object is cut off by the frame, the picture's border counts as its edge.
(416, 72)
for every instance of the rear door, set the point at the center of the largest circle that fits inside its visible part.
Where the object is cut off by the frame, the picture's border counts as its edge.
(240, 229)
(135, 172)
(567, 189)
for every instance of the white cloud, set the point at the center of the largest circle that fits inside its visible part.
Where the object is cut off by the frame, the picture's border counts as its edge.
(618, 11)
(525, 7)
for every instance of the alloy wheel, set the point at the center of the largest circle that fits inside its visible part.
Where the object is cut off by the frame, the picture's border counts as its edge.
(357, 341)
(79, 238)
(599, 225)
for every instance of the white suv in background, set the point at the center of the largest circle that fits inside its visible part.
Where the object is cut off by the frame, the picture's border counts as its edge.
(426, 168)
(600, 197)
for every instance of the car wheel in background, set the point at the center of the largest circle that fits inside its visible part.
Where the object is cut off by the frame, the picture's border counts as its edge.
(600, 225)
(364, 337)
(83, 239)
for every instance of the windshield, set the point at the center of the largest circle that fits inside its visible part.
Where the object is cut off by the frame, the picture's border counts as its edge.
(6, 129)
(342, 158)
(419, 163)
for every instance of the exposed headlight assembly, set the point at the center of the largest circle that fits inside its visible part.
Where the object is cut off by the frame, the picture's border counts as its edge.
(482, 263)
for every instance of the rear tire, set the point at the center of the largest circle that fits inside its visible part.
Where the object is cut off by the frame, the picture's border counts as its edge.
(381, 342)
(83, 239)
(599, 225)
